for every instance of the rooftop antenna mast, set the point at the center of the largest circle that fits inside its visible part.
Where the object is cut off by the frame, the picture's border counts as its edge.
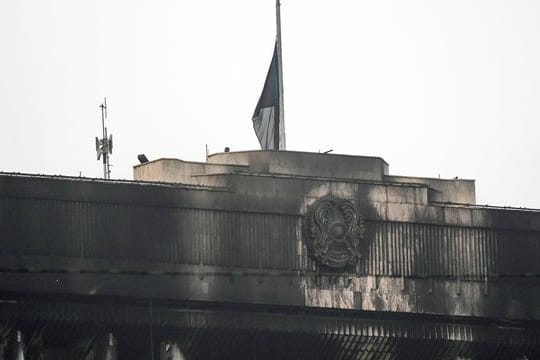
(105, 144)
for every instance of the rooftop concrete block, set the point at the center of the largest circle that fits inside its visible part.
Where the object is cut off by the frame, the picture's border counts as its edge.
(179, 171)
(307, 164)
(449, 190)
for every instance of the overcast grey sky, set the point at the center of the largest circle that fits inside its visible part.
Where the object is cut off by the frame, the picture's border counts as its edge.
(447, 88)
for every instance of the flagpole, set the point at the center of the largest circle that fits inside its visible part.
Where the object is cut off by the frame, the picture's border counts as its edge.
(281, 113)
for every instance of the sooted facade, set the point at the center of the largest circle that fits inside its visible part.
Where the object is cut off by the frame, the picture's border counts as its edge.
(265, 255)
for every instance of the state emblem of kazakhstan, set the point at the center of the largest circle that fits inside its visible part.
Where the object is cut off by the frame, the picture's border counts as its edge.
(333, 231)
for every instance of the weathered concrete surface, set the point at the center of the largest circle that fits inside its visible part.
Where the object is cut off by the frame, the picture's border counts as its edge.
(346, 175)
(345, 167)
(306, 164)
(514, 299)
(231, 231)
(183, 172)
(458, 191)
(510, 299)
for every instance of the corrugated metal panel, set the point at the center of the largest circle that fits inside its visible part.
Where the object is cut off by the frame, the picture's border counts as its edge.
(405, 249)
(252, 240)
(334, 332)
(37, 227)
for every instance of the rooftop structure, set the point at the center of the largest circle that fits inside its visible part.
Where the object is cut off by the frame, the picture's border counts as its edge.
(226, 168)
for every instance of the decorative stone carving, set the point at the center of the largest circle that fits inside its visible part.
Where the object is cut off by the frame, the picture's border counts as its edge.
(333, 231)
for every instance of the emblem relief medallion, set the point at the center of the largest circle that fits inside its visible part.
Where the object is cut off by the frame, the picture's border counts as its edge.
(333, 232)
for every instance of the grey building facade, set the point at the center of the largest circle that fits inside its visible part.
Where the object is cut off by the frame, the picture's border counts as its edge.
(265, 255)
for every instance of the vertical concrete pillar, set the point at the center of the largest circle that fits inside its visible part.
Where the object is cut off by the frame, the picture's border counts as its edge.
(17, 349)
(169, 350)
(109, 352)
(4, 341)
(104, 348)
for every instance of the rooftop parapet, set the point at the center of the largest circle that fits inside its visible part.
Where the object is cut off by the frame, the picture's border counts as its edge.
(334, 168)
(457, 191)
(307, 164)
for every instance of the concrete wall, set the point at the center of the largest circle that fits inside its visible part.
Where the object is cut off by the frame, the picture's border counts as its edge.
(448, 190)
(307, 164)
(183, 172)
(336, 168)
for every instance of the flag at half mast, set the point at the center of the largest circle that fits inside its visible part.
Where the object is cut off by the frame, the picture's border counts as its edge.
(268, 119)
